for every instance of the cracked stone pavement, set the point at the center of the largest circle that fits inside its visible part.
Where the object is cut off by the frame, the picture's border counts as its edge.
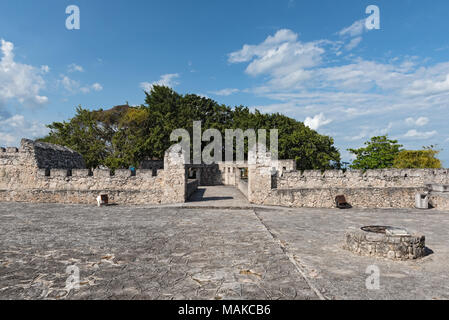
(126, 252)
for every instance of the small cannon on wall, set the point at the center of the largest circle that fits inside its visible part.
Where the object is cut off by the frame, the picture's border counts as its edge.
(341, 203)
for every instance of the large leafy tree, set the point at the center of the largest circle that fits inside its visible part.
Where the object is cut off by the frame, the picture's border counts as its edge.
(124, 135)
(418, 159)
(378, 153)
(84, 134)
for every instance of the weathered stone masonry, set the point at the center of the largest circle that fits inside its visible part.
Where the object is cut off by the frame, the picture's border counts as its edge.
(371, 189)
(39, 172)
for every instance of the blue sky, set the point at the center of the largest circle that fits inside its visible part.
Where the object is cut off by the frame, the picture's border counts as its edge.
(312, 60)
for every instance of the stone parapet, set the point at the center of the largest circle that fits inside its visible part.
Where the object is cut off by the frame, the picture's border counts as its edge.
(362, 179)
(40, 172)
(356, 197)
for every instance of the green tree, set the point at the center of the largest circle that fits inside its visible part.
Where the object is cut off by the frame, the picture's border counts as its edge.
(124, 136)
(378, 153)
(83, 134)
(418, 159)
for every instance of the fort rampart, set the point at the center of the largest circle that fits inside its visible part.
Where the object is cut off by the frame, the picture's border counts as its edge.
(41, 172)
(390, 188)
(38, 172)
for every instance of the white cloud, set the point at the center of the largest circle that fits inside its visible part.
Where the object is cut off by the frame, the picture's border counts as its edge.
(280, 55)
(225, 92)
(353, 43)
(190, 65)
(354, 34)
(360, 136)
(7, 140)
(249, 51)
(168, 80)
(354, 30)
(317, 121)
(420, 122)
(69, 84)
(97, 87)
(16, 127)
(358, 88)
(75, 68)
(369, 97)
(290, 63)
(19, 81)
(428, 87)
(420, 135)
(45, 69)
(74, 86)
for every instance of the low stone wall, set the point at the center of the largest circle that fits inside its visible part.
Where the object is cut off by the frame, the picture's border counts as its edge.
(357, 197)
(362, 179)
(81, 183)
(23, 177)
(82, 196)
(83, 179)
(315, 189)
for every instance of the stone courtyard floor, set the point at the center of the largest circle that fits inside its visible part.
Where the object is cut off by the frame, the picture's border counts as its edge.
(126, 252)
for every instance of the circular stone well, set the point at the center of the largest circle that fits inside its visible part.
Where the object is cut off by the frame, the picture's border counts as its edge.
(386, 242)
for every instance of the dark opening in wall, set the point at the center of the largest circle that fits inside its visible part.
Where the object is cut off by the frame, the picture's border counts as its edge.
(192, 173)
(274, 181)
(69, 172)
(90, 173)
(154, 172)
(47, 172)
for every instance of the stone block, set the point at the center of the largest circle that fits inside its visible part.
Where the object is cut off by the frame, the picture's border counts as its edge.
(122, 173)
(80, 173)
(43, 172)
(102, 173)
(59, 173)
(144, 174)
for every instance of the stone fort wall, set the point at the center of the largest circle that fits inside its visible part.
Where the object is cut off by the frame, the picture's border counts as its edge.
(362, 179)
(389, 188)
(40, 172)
